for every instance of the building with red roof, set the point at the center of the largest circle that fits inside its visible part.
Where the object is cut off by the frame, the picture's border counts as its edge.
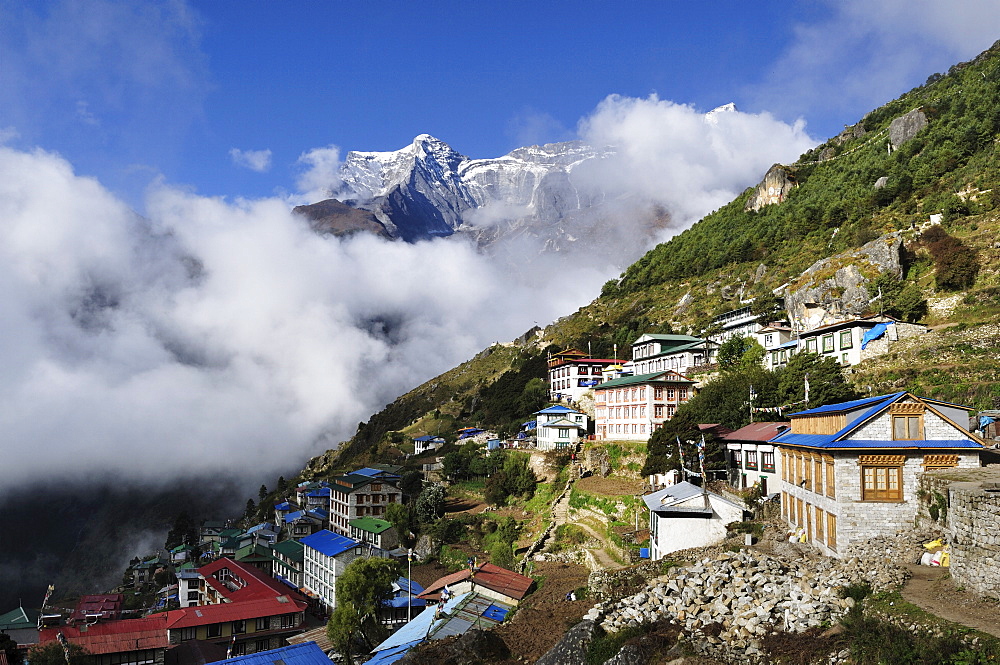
(98, 607)
(751, 459)
(489, 580)
(124, 641)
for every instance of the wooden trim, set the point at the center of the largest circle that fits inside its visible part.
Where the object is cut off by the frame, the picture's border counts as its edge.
(940, 461)
(907, 409)
(881, 460)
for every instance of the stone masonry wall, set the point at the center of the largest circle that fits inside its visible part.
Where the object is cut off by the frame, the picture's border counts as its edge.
(974, 520)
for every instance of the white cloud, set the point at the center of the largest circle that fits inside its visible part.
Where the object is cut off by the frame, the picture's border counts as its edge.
(863, 54)
(217, 337)
(319, 175)
(255, 160)
(672, 155)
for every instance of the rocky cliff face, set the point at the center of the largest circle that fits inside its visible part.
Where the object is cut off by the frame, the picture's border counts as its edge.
(773, 189)
(834, 289)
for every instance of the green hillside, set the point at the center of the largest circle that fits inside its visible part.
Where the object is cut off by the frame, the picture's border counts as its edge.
(951, 167)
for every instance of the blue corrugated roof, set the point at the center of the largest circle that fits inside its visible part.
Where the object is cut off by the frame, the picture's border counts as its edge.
(329, 543)
(389, 656)
(307, 653)
(556, 408)
(284, 505)
(367, 471)
(418, 627)
(938, 444)
(849, 406)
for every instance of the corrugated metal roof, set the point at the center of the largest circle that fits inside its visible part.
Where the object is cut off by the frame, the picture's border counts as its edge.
(250, 609)
(329, 543)
(114, 636)
(306, 653)
(849, 406)
(757, 432)
(669, 376)
(492, 577)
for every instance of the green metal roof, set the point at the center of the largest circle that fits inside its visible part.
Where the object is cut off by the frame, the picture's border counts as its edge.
(18, 618)
(672, 377)
(370, 524)
(293, 549)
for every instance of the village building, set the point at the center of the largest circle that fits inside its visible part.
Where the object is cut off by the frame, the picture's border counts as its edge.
(404, 603)
(679, 353)
(377, 535)
(633, 407)
(740, 322)
(849, 342)
(305, 653)
(21, 626)
(289, 558)
(572, 373)
(300, 523)
(426, 444)
(461, 613)
(362, 493)
(751, 459)
(558, 427)
(850, 471)
(684, 515)
(326, 556)
(490, 580)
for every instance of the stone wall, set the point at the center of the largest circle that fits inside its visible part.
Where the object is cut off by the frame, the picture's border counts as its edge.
(967, 503)
(974, 518)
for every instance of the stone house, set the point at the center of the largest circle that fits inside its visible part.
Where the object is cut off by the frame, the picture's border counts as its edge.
(850, 471)
(849, 342)
(362, 493)
(685, 515)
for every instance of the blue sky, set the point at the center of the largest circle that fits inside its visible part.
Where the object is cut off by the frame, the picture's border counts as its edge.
(135, 92)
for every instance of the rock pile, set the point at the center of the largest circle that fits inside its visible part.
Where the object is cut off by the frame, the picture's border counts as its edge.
(732, 600)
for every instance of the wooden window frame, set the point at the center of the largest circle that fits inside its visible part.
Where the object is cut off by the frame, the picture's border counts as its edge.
(872, 474)
(831, 478)
(820, 525)
(831, 531)
(910, 419)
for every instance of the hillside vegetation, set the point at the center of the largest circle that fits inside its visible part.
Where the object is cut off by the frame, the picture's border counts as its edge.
(951, 167)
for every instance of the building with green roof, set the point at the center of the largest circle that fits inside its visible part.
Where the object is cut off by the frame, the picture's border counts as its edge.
(631, 408)
(376, 533)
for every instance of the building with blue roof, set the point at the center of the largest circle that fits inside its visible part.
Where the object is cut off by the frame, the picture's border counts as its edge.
(850, 471)
(325, 556)
(307, 653)
(455, 617)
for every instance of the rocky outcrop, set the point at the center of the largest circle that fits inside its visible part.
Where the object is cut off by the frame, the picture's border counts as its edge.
(773, 189)
(905, 127)
(336, 218)
(834, 289)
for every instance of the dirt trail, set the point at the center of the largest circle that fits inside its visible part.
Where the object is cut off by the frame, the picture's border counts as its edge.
(560, 515)
(932, 589)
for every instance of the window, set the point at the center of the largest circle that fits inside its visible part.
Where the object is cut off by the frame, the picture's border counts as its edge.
(262, 645)
(811, 345)
(737, 458)
(831, 531)
(768, 339)
(563, 433)
(214, 630)
(907, 428)
(670, 393)
(767, 462)
(774, 357)
(831, 486)
(751, 462)
(670, 412)
(784, 356)
(882, 483)
(684, 393)
(188, 634)
(817, 463)
(820, 525)
(192, 595)
(844, 359)
(657, 393)
(239, 627)
(827, 343)
(642, 393)
(658, 411)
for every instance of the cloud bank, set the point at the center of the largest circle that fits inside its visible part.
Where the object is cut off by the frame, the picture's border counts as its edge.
(213, 336)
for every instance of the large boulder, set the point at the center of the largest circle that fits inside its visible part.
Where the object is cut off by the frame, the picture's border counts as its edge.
(905, 127)
(835, 288)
